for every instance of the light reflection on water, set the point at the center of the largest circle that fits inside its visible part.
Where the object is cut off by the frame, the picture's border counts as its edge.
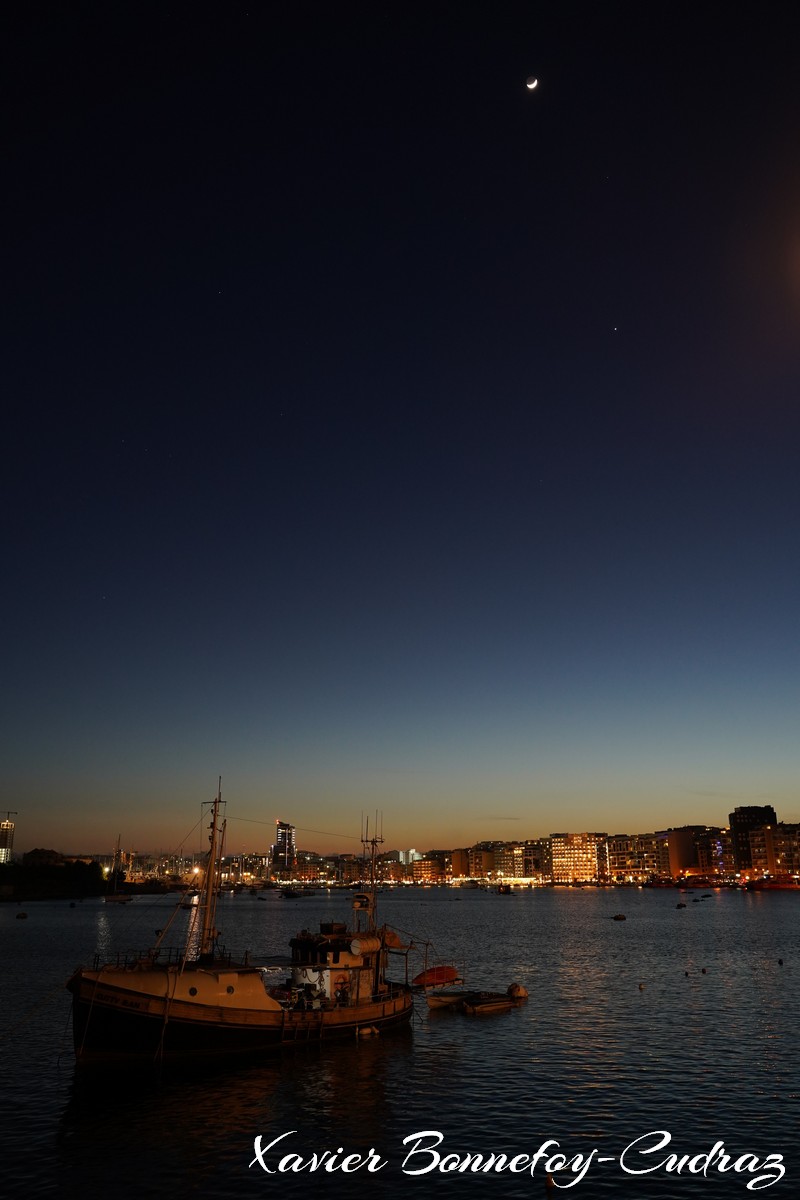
(593, 1059)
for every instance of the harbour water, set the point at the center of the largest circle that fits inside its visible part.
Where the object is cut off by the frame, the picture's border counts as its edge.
(676, 1020)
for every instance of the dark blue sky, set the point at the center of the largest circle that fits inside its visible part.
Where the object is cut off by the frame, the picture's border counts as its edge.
(384, 435)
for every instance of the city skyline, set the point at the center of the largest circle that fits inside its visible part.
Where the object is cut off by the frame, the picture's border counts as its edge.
(388, 436)
(347, 844)
(754, 850)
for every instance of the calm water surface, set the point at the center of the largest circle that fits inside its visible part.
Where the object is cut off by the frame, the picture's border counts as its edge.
(615, 1041)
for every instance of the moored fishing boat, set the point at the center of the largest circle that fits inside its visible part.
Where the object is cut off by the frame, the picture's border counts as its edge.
(197, 1002)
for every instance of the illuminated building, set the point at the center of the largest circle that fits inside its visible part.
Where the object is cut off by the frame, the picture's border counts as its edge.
(460, 861)
(579, 857)
(509, 860)
(392, 870)
(633, 857)
(432, 867)
(677, 852)
(481, 862)
(6, 840)
(775, 849)
(742, 821)
(539, 859)
(714, 856)
(284, 852)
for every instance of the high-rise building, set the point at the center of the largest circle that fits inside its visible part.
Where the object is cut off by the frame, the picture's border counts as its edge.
(434, 867)
(775, 849)
(633, 857)
(713, 851)
(481, 862)
(579, 857)
(284, 852)
(460, 860)
(742, 820)
(509, 860)
(539, 859)
(677, 851)
(6, 840)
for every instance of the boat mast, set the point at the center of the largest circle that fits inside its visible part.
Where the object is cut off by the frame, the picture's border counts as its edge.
(115, 867)
(364, 903)
(208, 933)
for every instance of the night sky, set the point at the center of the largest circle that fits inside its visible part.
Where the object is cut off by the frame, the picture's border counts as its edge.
(383, 435)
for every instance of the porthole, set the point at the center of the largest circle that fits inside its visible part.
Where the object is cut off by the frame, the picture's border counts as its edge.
(229, 990)
(192, 991)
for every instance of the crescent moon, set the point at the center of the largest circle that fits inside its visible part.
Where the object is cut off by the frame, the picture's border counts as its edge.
(532, 83)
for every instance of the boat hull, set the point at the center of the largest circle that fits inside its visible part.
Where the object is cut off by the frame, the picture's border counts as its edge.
(445, 999)
(436, 977)
(114, 1023)
(477, 1003)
